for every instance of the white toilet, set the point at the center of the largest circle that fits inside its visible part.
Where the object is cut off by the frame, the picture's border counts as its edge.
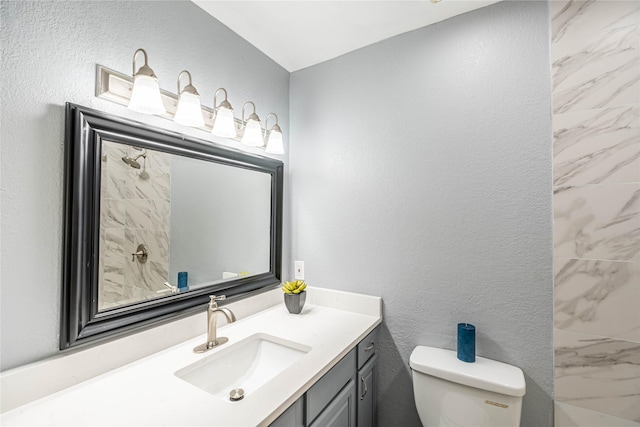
(452, 393)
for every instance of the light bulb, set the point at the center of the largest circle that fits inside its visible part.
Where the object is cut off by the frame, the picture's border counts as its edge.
(145, 97)
(224, 125)
(253, 134)
(274, 143)
(189, 112)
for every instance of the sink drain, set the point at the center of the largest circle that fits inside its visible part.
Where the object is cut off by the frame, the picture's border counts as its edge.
(236, 394)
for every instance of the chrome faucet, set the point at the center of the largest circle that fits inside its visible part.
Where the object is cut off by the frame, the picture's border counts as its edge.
(212, 319)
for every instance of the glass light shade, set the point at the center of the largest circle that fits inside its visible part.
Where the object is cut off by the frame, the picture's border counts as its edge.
(145, 96)
(189, 112)
(223, 124)
(274, 143)
(252, 134)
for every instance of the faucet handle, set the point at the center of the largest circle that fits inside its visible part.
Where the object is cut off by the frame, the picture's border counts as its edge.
(214, 298)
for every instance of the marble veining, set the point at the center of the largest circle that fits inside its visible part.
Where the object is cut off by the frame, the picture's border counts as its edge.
(574, 19)
(112, 213)
(598, 373)
(598, 222)
(114, 242)
(135, 209)
(597, 146)
(598, 71)
(595, 53)
(149, 276)
(598, 297)
(156, 186)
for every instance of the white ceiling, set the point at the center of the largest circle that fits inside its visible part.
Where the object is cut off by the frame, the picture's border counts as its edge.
(300, 33)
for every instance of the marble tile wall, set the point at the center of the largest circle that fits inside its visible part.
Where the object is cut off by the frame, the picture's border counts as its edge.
(135, 209)
(595, 52)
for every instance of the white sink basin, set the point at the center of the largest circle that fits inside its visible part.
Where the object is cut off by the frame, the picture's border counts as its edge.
(247, 364)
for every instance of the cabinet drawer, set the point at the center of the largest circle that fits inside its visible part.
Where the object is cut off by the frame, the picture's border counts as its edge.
(329, 385)
(367, 347)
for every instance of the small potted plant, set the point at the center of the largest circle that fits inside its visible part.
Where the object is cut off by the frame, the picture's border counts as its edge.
(294, 295)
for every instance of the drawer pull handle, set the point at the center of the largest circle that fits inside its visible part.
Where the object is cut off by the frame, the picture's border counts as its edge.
(370, 347)
(364, 386)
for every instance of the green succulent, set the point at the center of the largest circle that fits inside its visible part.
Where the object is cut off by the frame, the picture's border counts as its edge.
(294, 287)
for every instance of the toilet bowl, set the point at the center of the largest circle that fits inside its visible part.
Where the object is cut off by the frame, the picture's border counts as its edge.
(452, 393)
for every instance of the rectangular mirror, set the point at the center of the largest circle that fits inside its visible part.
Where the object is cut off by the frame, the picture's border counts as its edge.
(146, 209)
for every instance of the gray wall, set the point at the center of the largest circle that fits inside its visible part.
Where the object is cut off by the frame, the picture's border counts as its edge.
(49, 54)
(422, 172)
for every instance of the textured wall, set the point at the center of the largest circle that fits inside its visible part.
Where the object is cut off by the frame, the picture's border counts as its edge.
(49, 53)
(596, 124)
(422, 171)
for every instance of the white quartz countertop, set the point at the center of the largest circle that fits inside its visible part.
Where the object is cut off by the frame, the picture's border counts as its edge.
(147, 393)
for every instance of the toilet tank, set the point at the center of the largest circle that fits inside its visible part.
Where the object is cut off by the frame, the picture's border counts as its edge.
(450, 392)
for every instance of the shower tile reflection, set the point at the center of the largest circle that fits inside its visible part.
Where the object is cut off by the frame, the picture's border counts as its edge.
(135, 209)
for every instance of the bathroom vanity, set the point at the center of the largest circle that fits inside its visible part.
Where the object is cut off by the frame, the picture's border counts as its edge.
(323, 363)
(344, 396)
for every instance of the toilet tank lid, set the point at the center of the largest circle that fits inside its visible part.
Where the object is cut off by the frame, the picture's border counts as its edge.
(485, 374)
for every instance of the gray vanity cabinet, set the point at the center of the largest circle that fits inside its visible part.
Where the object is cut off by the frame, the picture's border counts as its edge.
(344, 397)
(292, 417)
(366, 380)
(367, 394)
(341, 412)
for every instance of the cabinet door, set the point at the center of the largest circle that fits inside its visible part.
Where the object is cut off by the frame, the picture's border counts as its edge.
(367, 394)
(341, 412)
(327, 388)
(292, 417)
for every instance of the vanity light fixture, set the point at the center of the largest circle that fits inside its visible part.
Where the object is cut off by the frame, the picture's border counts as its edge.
(141, 92)
(145, 96)
(223, 120)
(252, 131)
(274, 140)
(189, 111)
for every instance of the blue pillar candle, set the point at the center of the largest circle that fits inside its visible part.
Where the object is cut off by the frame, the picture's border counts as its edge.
(183, 278)
(466, 342)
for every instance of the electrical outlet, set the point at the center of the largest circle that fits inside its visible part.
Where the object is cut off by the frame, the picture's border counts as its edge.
(299, 270)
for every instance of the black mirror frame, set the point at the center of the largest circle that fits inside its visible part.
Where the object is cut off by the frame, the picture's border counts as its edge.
(84, 131)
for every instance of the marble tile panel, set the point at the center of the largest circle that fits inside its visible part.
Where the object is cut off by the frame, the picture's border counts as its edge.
(597, 297)
(116, 185)
(111, 287)
(113, 242)
(598, 373)
(112, 213)
(597, 146)
(575, 416)
(575, 19)
(597, 222)
(158, 159)
(150, 276)
(597, 71)
(138, 213)
(160, 215)
(156, 185)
